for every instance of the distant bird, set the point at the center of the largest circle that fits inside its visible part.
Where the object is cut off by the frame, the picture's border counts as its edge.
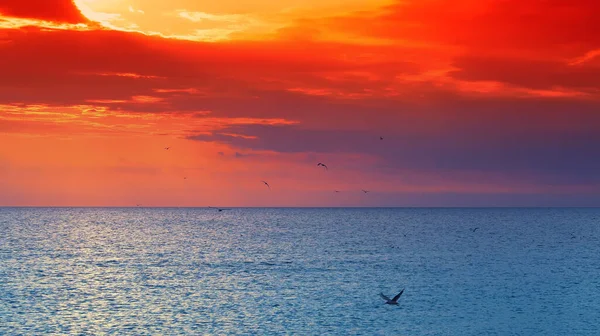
(380, 138)
(337, 191)
(322, 165)
(167, 148)
(137, 205)
(365, 191)
(185, 177)
(219, 209)
(475, 229)
(267, 184)
(393, 301)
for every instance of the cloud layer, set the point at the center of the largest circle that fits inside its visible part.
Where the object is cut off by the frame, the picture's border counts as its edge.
(479, 96)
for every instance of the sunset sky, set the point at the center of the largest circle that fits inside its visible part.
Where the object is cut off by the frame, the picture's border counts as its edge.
(480, 102)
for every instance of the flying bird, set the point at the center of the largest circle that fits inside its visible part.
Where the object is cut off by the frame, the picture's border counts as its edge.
(337, 191)
(267, 184)
(475, 229)
(185, 177)
(167, 148)
(322, 165)
(380, 138)
(393, 301)
(219, 209)
(365, 191)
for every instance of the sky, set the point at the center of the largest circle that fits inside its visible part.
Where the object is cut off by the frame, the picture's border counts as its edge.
(479, 102)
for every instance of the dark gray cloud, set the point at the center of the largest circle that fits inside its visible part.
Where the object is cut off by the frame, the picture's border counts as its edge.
(540, 147)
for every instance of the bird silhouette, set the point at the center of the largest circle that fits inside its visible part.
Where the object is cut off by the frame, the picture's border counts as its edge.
(322, 165)
(167, 148)
(219, 209)
(394, 300)
(267, 184)
(365, 191)
(337, 191)
(475, 229)
(380, 138)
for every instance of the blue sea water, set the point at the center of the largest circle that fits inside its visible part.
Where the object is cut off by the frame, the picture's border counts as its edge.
(186, 271)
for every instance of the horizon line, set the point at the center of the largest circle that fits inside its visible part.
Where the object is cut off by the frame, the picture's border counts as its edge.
(302, 207)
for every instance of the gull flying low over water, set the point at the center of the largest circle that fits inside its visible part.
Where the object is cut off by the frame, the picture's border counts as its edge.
(393, 301)
(475, 229)
(218, 209)
(322, 165)
(365, 191)
(265, 182)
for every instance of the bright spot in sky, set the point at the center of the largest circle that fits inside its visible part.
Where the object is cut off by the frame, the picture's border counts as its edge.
(215, 20)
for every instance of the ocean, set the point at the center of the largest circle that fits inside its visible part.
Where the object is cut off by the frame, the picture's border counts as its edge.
(299, 271)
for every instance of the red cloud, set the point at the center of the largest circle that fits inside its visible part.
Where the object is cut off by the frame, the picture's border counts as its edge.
(534, 74)
(569, 26)
(47, 10)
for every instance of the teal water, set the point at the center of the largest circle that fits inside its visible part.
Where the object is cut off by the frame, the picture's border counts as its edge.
(91, 271)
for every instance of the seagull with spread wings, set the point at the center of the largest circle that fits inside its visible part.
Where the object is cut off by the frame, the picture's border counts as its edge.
(394, 300)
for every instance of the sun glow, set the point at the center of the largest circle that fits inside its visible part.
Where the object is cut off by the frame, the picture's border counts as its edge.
(88, 12)
(225, 20)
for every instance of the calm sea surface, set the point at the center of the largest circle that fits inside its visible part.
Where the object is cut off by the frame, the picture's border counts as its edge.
(92, 271)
